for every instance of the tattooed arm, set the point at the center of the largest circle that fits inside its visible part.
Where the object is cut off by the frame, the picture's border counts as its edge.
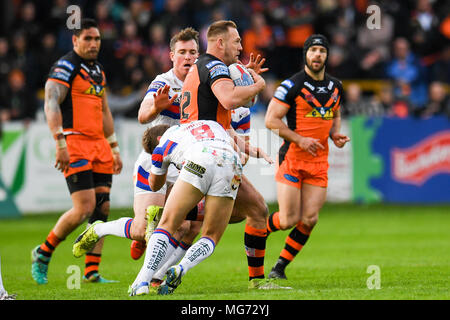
(55, 93)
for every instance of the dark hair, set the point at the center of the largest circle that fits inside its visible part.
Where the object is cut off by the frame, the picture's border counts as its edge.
(150, 137)
(86, 23)
(184, 35)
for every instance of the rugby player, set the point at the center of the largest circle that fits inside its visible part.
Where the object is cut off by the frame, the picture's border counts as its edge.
(310, 101)
(87, 151)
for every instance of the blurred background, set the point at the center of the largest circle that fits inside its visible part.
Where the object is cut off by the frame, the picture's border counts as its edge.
(396, 79)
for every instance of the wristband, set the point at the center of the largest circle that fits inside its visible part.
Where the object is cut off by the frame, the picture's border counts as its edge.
(116, 150)
(112, 138)
(59, 137)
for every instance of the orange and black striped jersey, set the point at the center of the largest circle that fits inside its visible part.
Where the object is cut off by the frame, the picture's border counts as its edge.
(82, 109)
(198, 101)
(312, 106)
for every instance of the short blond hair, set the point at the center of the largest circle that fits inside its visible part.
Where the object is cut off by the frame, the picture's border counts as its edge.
(184, 35)
(219, 27)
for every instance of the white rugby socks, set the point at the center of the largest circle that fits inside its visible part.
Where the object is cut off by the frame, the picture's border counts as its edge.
(199, 251)
(161, 246)
(120, 228)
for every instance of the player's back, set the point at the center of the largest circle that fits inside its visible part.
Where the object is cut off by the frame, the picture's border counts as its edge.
(200, 135)
(198, 101)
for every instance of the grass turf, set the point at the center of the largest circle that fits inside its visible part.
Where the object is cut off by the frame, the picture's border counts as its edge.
(410, 245)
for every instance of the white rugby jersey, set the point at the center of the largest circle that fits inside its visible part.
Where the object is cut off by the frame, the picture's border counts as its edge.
(240, 120)
(170, 116)
(204, 135)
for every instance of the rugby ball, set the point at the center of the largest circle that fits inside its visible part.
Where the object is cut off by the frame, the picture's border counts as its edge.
(241, 77)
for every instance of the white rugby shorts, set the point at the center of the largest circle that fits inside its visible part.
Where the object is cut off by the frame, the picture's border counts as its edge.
(214, 171)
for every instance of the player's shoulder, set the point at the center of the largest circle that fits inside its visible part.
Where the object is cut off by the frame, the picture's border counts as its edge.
(333, 81)
(70, 61)
(160, 81)
(295, 80)
(213, 66)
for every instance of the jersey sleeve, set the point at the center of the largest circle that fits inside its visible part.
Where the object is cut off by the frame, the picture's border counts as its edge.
(62, 71)
(161, 156)
(157, 83)
(217, 70)
(240, 120)
(285, 92)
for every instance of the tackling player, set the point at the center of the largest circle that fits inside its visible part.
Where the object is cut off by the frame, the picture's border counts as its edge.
(310, 100)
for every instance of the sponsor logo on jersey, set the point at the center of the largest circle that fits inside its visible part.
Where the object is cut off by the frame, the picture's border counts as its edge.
(219, 70)
(418, 163)
(321, 112)
(194, 168)
(321, 90)
(309, 85)
(280, 93)
(213, 63)
(288, 83)
(65, 63)
(330, 85)
(96, 90)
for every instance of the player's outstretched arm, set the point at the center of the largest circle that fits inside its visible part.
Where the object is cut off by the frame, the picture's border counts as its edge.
(246, 149)
(55, 93)
(150, 108)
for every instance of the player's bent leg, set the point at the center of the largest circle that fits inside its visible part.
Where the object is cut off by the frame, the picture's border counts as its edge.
(181, 200)
(141, 204)
(217, 214)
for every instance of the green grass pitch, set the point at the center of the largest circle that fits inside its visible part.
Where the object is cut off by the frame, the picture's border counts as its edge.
(409, 244)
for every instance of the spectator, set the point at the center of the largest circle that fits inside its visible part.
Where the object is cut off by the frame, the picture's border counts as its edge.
(356, 104)
(374, 47)
(20, 104)
(424, 29)
(46, 56)
(5, 68)
(28, 24)
(438, 103)
(257, 39)
(341, 62)
(130, 42)
(24, 59)
(440, 71)
(408, 74)
(159, 47)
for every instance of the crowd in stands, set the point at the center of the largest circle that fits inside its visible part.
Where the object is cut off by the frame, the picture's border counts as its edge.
(399, 70)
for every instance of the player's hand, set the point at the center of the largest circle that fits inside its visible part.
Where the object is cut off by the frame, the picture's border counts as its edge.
(258, 79)
(339, 139)
(259, 153)
(161, 98)
(310, 145)
(117, 163)
(62, 159)
(256, 63)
